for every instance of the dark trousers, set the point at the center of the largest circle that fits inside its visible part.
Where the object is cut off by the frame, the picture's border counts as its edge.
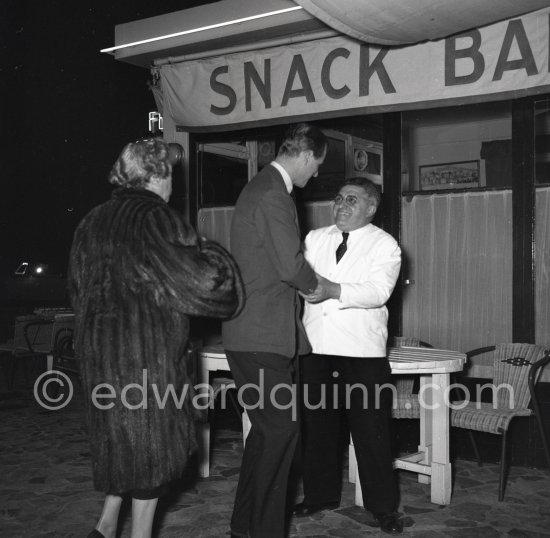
(260, 501)
(324, 380)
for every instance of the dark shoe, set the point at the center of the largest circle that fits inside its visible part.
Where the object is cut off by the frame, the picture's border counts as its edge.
(304, 510)
(95, 534)
(389, 523)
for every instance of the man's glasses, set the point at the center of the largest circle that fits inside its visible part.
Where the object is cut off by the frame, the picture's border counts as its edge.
(350, 199)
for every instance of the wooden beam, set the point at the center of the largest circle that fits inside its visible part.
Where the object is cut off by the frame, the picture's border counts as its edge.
(391, 137)
(523, 220)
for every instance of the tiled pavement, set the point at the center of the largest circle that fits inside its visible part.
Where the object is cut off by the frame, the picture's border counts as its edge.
(46, 488)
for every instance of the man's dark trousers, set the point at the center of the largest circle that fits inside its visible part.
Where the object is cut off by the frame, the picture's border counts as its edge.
(368, 422)
(260, 502)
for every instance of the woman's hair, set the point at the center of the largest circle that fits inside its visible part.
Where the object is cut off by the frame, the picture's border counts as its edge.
(139, 161)
(303, 137)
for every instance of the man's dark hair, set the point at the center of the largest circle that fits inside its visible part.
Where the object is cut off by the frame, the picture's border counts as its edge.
(303, 137)
(371, 188)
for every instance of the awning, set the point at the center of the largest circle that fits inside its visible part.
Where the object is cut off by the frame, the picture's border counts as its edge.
(340, 75)
(400, 22)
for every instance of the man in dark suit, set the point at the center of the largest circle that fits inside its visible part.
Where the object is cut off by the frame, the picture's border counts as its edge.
(262, 342)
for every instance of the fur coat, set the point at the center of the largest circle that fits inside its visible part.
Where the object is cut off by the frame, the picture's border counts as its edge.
(137, 271)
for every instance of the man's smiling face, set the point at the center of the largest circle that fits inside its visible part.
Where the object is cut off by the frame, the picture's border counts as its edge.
(352, 209)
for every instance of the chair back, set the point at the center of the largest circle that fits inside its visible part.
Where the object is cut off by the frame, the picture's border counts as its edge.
(402, 341)
(511, 363)
(404, 384)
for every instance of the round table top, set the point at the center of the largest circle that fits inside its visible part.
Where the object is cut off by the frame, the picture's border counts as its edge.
(403, 360)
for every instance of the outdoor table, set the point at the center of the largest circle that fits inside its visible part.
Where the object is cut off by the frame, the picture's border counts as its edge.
(434, 367)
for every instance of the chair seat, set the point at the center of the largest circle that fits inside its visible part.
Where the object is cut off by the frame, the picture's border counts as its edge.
(406, 406)
(481, 416)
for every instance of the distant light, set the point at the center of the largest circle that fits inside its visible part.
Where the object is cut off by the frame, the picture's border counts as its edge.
(203, 28)
(39, 269)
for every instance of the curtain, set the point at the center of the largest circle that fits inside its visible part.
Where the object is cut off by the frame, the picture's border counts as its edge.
(458, 250)
(215, 223)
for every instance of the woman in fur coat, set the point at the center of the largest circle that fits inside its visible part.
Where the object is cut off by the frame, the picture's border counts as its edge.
(137, 272)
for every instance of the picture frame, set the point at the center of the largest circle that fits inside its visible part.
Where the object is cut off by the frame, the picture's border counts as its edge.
(454, 175)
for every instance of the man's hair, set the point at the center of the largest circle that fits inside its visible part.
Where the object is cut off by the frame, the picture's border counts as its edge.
(303, 137)
(371, 188)
(139, 161)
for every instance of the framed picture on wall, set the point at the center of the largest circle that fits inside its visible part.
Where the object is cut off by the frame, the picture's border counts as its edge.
(458, 175)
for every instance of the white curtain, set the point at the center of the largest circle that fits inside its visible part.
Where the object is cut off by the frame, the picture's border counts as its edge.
(458, 250)
(215, 223)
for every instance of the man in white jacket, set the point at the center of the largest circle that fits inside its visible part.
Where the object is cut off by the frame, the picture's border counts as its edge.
(346, 322)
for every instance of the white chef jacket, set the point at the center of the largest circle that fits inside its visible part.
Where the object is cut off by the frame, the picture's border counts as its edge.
(356, 325)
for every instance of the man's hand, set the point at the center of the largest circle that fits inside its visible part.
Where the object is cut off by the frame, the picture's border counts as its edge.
(326, 289)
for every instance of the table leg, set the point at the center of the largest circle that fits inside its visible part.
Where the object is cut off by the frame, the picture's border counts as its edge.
(425, 446)
(203, 429)
(441, 466)
(204, 449)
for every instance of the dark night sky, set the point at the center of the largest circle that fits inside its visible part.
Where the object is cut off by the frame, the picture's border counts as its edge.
(66, 112)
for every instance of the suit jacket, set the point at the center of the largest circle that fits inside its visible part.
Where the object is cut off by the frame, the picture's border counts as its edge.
(265, 242)
(356, 325)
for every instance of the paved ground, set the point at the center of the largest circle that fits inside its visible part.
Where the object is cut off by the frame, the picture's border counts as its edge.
(46, 488)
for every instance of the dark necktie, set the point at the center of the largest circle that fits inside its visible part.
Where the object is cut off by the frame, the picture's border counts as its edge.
(342, 247)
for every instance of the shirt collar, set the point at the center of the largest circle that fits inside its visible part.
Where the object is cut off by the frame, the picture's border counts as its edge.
(336, 230)
(286, 177)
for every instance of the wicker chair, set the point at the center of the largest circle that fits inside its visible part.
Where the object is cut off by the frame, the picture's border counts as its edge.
(517, 366)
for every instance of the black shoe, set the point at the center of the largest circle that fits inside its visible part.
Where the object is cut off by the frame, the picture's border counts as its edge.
(304, 510)
(389, 523)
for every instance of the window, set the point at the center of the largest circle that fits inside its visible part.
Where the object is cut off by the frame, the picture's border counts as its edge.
(347, 156)
(462, 147)
(223, 172)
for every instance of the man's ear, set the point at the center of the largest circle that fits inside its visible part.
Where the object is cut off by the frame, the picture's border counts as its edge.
(371, 210)
(308, 155)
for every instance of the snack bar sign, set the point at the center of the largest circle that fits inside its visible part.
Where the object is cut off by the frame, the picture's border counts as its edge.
(338, 74)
